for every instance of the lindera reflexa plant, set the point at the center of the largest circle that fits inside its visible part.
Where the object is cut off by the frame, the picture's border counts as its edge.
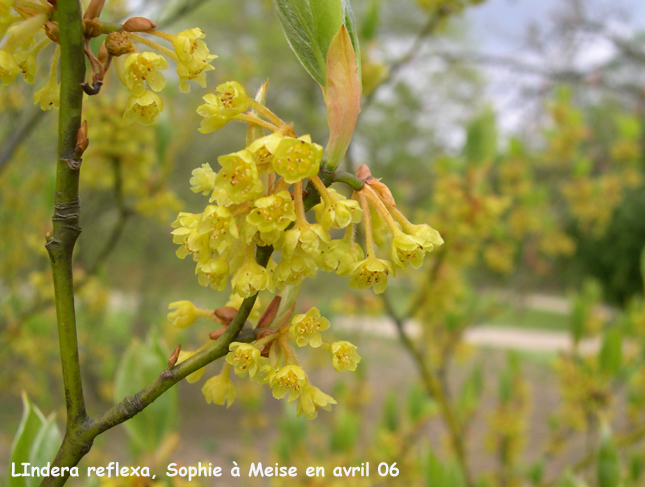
(259, 198)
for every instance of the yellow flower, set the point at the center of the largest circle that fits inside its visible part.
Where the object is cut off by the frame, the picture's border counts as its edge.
(371, 272)
(339, 212)
(272, 213)
(244, 358)
(140, 68)
(291, 380)
(250, 279)
(143, 108)
(292, 270)
(195, 376)
(193, 58)
(185, 314)
(9, 68)
(203, 180)
(312, 239)
(405, 248)
(238, 179)
(213, 273)
(220, 389)
(428, 237)
(220, 226)
(344, 356)
(28, 65)
(306, 328)
(296, 159)
(220, 108)
(311, 399)
(263, 150)
(48, 96)
(341, 256)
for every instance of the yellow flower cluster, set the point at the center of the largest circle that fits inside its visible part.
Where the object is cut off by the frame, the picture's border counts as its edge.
(259, 198)
(271, 359)
(255, 207)
(26, 28)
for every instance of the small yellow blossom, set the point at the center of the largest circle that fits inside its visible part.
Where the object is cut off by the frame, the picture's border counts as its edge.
(272, 213)
(238, 179)
(244, 358)
(193, 58)
(203, 180)
(195, 376)
(311, 238)
(48, 96)
(220, 108)
(339, 212)
(213, 273)
(143, 108)
(306, 328)
(140, 68)
(371, 272)
(250, 279)
(311, 399)
(289, 380)
(296, 159)
(407, 249)
(220, 226)
(428, 237)
(344, 356)
(292, 270)
(220, 389)
(185, 313)
(341, 256)
(263, 150)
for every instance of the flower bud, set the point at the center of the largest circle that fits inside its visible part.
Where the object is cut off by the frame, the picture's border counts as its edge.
(94, 9)
(92, 27)
(138, 24)
(51, 30)
(118, 44)
(103, 54)
(184, 315)
(225, 314)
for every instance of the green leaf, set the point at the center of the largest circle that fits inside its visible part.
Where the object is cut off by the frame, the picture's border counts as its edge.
(30, 424)
(310, 25)
(611, 353)
(44, 447)
(141, 364)
(342, 96)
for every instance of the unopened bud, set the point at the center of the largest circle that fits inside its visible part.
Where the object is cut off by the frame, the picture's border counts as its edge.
(214, 335)
(138, 24)
(225, 315)
(118, 44)
(51, 30)
(270, 313)
(92, 27)
(94, 9)
(174, 356)
(103, 54)
(364, 173)
(81, 138)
